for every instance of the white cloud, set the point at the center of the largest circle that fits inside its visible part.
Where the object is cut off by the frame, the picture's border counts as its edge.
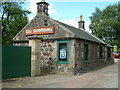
(74, 23)
(33, 6)
(87, 27)
(51, 9)
(71, 22)
(30, 18)
(83, 0)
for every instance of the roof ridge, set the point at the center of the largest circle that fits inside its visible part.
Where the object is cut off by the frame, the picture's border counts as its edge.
(93, 35)
(66, 24)
(62, 25)
(77, 29)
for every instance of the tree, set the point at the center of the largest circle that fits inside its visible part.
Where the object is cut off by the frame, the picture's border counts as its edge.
(13, 19)
(105, 25)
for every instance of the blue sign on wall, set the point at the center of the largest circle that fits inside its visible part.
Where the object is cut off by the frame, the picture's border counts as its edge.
(63, 54)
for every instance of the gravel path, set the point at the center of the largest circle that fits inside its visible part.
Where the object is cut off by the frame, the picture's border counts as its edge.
(106, 77)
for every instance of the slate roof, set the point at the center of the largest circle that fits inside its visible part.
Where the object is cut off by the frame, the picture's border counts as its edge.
(108, 45)
(38, 21)
(81, 33)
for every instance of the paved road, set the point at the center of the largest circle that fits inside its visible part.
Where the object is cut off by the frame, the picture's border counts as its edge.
(116, 59)
(106, 77)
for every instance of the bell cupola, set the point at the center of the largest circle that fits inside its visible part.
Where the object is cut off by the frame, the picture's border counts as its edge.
(42, 7)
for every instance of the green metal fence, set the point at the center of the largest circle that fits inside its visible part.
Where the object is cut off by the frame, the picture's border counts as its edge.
(16, 61)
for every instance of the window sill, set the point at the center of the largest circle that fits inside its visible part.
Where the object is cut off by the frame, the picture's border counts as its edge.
(86, 61)
(62, 62)
(101, 59)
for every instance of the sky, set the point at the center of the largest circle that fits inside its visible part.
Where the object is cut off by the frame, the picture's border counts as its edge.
(69, 11)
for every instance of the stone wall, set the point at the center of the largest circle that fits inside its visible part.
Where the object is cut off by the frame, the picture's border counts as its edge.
(49, 60)
(48, 57)
(76, 63)
(80, 66)
(35, 56)
(94, 61)
(68, 68)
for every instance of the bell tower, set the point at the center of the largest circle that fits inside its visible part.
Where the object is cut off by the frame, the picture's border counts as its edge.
(42, 7)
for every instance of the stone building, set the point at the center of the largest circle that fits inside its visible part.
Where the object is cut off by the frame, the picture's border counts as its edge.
(61, 48)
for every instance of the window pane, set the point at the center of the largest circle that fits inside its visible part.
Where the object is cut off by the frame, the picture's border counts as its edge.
(108, 53)
(85, 51)
(100, 52)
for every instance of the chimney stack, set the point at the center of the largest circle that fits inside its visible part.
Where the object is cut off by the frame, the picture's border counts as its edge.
(81, 23)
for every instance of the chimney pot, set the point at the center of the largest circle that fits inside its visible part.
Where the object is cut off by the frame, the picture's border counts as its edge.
(42, 0)
(81, 23)
(81, 18)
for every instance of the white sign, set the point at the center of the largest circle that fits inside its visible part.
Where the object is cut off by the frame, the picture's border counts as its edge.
(43, 30)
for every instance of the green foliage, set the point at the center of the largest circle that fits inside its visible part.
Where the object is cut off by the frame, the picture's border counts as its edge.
(115, 48)
(119, 11)
(105, 24)
(13, 19)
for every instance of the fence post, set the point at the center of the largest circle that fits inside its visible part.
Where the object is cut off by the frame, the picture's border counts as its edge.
(35, 56)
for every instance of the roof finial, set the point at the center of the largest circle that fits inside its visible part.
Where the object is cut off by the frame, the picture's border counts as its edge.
(81, 18)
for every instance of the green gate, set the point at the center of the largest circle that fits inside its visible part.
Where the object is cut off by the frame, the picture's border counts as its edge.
(16, 61)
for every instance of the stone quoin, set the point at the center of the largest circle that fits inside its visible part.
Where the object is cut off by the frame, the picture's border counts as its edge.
(62, 48)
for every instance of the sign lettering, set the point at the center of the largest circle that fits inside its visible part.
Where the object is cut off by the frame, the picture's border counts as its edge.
(43, 30)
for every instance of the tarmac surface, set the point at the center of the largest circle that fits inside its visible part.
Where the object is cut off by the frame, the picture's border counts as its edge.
(106, 77)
